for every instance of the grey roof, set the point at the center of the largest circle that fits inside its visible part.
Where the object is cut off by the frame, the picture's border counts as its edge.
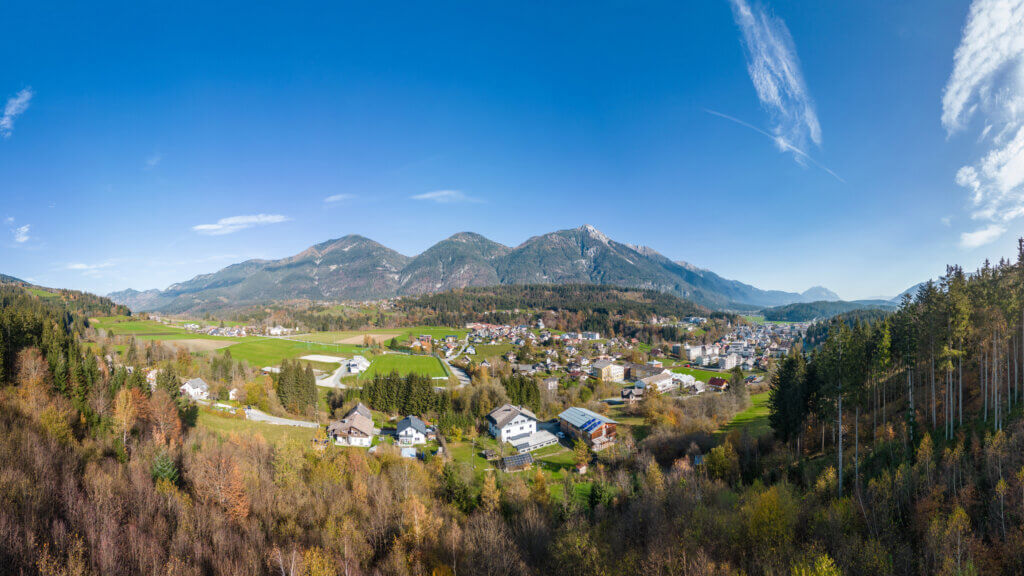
(582, 418)
(412, 422)
(603, 363)
(198, 384)
(362, 410)
(504, 414)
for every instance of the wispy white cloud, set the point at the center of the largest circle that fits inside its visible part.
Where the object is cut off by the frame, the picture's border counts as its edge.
(774, 69)
(236, 223)
(982, 236)
(82, 266)
(21, 233)
(445, 197)
(339, 197)
(801, 155)
(9, 220)
(987, 81)
(15, 106)
(153, 160)
(946, 220)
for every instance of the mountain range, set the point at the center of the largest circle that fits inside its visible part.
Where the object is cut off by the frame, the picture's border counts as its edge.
(356, 268)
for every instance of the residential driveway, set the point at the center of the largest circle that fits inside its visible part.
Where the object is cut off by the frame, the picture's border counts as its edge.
(259, 416)
(460, 374)
(334, 380)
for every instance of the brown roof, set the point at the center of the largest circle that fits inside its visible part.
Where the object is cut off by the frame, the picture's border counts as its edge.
(506, 413)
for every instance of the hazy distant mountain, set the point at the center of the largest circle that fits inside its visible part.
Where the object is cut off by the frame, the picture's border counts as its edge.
(819, 294)
(356, 268)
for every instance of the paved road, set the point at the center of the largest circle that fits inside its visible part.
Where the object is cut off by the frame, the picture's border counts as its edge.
(334, 380)
(260, 416)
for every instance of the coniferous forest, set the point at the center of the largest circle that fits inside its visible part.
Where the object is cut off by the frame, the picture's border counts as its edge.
(896, 447)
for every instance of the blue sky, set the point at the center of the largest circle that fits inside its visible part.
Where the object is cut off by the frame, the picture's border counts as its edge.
(858, 145)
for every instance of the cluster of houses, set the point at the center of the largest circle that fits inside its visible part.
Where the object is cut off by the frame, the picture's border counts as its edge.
(237, 331)
(357, 429)
(448, 345)
(747, 347)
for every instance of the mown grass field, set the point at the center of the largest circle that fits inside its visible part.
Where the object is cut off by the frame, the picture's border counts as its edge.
(405, 364)
(753, 420)
(272, 433)
(261, 352)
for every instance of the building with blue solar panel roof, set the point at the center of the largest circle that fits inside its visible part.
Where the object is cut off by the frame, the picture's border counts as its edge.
(596, 430)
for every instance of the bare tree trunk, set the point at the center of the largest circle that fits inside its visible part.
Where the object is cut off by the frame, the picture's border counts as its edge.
(934, 423)
(983, 376)
(856, 449)
(960, 386)
(840, 417)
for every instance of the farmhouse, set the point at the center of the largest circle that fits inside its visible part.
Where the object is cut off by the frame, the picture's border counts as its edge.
(355, 429)
(411, 430)
(595, 430)
(196, 389)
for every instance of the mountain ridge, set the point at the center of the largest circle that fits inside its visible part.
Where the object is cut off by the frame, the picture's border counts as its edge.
(354, 267)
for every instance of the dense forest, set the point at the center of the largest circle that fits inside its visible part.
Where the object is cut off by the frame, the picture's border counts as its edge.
(822, 310)
(896, 447)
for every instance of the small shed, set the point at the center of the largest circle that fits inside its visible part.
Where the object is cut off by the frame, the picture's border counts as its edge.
(517, 462)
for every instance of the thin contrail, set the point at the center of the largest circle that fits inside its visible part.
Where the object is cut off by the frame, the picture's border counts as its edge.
(785, 145)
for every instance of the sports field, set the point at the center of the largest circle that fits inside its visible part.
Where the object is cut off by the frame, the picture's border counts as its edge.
(405, 364)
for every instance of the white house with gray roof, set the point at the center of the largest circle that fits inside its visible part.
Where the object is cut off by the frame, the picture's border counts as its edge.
(507, 422)
(196, 389)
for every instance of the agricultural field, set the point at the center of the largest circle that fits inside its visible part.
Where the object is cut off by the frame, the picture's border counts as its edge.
(379, 334)
(144, 330)
(405, 364)
(256, 350)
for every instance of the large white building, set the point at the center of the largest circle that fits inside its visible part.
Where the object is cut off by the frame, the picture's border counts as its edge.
(507, 422)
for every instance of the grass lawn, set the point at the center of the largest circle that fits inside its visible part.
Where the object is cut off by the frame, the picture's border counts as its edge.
(405, 364)
(274, 434)
(485, 351)
(754, 419)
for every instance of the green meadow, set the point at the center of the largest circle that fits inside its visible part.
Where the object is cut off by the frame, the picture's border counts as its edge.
(754, 419)
(403, 334)
(405, 364)
(224, 425)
